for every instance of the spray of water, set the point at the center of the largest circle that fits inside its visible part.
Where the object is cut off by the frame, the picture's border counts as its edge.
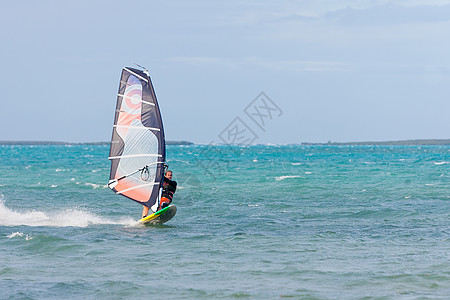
(75, 217)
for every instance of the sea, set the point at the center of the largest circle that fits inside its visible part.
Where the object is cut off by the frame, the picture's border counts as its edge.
(253, 222)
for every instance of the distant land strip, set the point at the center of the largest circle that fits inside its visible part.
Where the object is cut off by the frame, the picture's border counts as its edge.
(68, 143)
(423, 142)
(390, 143)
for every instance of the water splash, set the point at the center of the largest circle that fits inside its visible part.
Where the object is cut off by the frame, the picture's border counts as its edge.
(75, 217)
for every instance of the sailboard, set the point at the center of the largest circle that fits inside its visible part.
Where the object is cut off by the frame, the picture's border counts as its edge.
(160, 217)
(138, 148)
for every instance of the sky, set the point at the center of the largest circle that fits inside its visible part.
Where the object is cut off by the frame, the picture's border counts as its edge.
(348, 70)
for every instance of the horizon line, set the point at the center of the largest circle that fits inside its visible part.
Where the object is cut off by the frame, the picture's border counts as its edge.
(395, 142)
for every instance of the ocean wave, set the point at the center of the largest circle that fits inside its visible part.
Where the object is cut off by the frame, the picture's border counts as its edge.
(92, 185)
(19, 234)
(287, 177)
(95, 185)
(441, 163)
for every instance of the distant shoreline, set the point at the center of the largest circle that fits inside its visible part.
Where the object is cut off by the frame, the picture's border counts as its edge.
(422, 142)
(69, 143)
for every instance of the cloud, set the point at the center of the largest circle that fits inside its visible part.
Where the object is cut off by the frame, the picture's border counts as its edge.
(196, 60)
(299, 65)
(422, 2)
(201, 61)
(357, 13)
(280, 65)
(390, 14)
(261, 11)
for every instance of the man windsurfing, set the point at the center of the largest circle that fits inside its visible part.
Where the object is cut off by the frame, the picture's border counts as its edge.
(169, 188)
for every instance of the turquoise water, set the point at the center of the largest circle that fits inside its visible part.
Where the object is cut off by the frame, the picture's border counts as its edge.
(260, 222)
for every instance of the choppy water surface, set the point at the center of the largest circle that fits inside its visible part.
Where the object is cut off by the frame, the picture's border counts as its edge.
(259, 222)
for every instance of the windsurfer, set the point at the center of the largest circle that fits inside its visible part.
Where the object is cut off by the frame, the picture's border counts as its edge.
(169, 188)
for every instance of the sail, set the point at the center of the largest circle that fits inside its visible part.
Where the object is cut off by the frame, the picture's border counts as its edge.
(138, 150)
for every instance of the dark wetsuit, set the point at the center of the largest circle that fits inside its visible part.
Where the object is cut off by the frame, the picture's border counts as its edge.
(169, 188)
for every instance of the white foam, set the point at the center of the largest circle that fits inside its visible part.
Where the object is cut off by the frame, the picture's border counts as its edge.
(19, 234)
(75, 217)
(441, 163)
(297, 164)
(95, 185)
(14, 234)
(287, 177)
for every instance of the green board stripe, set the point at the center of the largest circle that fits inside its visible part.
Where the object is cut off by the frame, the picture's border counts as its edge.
(161, 211)
(154, 215)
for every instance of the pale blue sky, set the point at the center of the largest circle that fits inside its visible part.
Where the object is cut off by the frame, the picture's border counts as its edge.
(339, 70)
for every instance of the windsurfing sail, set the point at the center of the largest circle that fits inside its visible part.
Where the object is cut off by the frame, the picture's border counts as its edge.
(138, 149)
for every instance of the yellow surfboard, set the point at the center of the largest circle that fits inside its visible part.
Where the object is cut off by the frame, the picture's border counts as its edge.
(159, 217)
